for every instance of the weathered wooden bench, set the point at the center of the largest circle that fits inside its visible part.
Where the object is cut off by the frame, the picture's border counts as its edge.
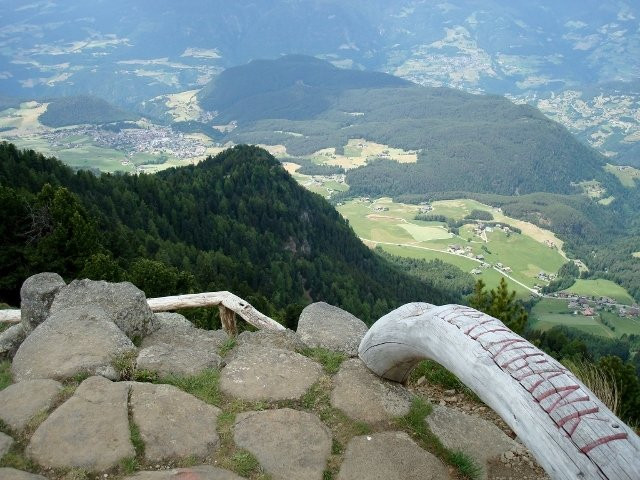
(572, 434)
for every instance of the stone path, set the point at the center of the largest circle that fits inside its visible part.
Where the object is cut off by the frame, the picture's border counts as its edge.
(274, 409)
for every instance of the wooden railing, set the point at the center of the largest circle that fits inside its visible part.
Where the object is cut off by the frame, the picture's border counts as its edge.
(228, 304)
(572, 434)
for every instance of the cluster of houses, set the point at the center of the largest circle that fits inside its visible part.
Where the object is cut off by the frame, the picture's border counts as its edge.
(590, 306)
(550, 244)
(546, 277)
(479, 228)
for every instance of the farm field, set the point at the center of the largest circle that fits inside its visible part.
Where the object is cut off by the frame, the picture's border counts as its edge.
(548, 313)
(628, 176)
(603, 288)
(392, 226)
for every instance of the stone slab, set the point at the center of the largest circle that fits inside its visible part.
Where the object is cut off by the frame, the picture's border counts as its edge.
(13, 474)
(287, 443)
(20, 402)
(6, 442)
(200, 472)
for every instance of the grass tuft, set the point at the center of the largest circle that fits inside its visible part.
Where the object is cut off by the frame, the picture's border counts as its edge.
(205, 385)
(5, 374)
(76, 474)
(136, 439)
(465, 464)
(331, 361)
(125, 365)
(244, 463)
(227, 346)
(129, 465)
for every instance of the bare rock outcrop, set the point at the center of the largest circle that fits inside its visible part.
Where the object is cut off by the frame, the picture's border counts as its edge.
(20, 402)
(36, 296)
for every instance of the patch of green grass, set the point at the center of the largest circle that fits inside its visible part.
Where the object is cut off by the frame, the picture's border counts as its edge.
(76, 474)
(205, 385)
(129, 465)
(136, 439)
(328, 475)
(330, 360)
(145, 376)
(436, 374)
(415, 423)
(600, 287)
(15, 458)
(227, 346)
(125, 365)
(5, 374)
(244, 463)
(336, 447)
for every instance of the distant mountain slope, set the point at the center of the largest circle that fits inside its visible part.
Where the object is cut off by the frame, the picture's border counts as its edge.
(83, 109)
(476, 143)
(235, 222)
(294, 87)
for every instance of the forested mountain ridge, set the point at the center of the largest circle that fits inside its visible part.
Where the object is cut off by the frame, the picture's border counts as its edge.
(477, 143)
(235, 222)
(82, 109)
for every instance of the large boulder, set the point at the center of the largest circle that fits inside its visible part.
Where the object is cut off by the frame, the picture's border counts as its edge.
(36, 296)
(71, 341)
(282, 339)
(326, 326)
(172, 423)
(20, 402)
(124, 303)
(364, 396)
(287, 443)
(178, 348)
(10, 341)
(262, 373)
(89, 431)
(389, 456)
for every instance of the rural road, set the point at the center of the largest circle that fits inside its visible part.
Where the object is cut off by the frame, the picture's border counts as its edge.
(457, 255)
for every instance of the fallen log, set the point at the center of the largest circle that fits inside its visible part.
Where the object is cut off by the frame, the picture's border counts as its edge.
(572, 434)
(228, 303)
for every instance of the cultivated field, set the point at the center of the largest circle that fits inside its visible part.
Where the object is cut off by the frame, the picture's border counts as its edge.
(628, 176)
(601, 288)
(358, 151)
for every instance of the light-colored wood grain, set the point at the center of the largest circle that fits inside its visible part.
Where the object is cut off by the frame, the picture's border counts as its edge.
(228, 303)
(572, 434)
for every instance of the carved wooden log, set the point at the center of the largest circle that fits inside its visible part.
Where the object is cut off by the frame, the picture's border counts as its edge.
(572, 434)
(228, 303)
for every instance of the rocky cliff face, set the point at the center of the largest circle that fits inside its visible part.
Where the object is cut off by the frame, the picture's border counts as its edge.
(104, 388)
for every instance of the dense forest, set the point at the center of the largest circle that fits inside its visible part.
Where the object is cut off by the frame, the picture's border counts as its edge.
(234, 222)
(83, 109)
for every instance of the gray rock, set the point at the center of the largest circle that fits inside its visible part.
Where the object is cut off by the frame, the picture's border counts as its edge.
(475, 436)
(287, 443)
(180, 349)
(36, 296)
(10, 341)
(389, 456)
(364, 396)
(5, 443)
(200, 472)
(125, 304)
(172, 423)
(13, 474)
(70, 341)
(283, 339)
(21, 401)
(90, 430)
(262, 373)
(326, 326)
(167, 320)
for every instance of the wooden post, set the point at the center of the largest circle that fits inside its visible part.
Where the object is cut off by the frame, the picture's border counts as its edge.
(572, 434)
(229, 305)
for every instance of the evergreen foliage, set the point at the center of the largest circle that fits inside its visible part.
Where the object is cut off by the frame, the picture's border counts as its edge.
(82, 109)
(500, 304)
(235, 222)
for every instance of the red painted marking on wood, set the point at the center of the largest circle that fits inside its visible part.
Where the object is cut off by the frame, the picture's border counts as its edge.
(560, 403)
(553, 390)
(505, 329)
(522, 357)
(542, 380)
(468, 332)
(577, 414)
(532, 372)
(601, 441)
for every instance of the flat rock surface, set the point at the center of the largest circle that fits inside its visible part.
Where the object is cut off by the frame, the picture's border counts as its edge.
(389, 456)
(172, 423)
(283, 339)
(323, 325)
(287, 443)
(364, 396)
(13, 474)
(262, 373)
(124, 303)
(179, 348)
(200, 472)
(5, 444)
(475, 436)
(70, 341)
(90, 430)
(21, 401)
